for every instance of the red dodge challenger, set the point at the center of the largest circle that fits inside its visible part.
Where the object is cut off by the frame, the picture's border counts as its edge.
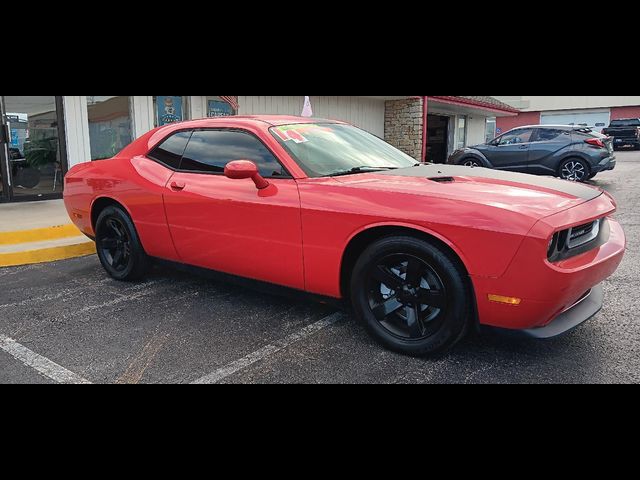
(423, 252)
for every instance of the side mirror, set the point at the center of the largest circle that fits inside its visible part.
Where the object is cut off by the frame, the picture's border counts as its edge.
(243, 169)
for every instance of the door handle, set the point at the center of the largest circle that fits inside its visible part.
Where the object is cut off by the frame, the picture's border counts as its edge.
(524, 147)
(178, 186)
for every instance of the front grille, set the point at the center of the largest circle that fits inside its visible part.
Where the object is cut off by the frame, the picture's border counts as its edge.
(583, 234)
(577, 240)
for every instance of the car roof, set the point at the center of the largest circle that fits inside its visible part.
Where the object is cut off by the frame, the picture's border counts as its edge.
(565, 127)
(272, 120)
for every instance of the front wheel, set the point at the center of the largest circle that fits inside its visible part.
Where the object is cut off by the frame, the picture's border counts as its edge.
(411, 296)
(470, 162)
(118, 245)
(574, 170)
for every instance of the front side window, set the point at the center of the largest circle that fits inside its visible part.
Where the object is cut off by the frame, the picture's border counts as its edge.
(516, 137)
(210, 150)
(170, 151)
(333, 149)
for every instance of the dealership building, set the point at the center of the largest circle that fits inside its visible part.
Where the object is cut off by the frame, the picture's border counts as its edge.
(43, 136)
(592, 111)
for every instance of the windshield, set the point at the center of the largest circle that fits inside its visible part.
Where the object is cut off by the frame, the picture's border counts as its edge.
(328, 149)
(632, 122)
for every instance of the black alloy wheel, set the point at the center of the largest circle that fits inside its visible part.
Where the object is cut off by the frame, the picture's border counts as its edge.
(407, 296)
(412, 295)
(119, 248)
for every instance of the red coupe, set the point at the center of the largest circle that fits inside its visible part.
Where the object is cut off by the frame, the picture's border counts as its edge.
(423, 252)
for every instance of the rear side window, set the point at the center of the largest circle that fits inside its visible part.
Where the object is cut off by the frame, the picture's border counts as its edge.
(210, 150)
(170, 151)
(551, 134)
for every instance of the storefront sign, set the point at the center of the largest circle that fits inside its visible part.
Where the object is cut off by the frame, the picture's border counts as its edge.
(169, 110)
(218, 108)
(15, 140)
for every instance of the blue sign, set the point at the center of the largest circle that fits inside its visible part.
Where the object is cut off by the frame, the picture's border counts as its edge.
(169, 110)
(15, 140)
(218, 108)
(498, 131)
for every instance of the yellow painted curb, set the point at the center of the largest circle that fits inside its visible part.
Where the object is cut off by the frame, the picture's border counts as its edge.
(45, 255)
(39, 234)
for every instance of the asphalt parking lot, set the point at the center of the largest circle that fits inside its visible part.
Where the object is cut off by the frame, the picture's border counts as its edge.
(69, 322)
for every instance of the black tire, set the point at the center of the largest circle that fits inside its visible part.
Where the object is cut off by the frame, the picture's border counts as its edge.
(592, 175)
(119, 249)
(574, 169)
(397, 318)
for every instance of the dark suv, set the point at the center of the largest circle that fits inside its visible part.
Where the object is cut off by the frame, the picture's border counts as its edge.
(573, 153)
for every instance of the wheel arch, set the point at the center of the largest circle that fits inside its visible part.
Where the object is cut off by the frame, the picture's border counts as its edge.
(573, 155)
(364, 237)
(99, 204)
(477, 156)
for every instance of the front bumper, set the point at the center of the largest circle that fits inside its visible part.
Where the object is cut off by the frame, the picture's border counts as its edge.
(585, 309)
(549, 290)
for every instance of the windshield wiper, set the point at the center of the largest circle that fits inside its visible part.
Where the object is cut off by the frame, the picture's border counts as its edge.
(360, 170)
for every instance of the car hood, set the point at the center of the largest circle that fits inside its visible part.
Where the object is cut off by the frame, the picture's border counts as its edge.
(527, 194)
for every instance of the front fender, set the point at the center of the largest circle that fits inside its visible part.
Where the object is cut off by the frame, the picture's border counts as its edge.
(471, 153)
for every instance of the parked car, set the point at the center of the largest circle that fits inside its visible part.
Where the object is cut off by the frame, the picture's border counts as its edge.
(625, 132)
(423, 252)
(569, 152)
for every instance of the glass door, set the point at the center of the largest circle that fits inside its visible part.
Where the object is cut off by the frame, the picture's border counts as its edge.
(33, 150)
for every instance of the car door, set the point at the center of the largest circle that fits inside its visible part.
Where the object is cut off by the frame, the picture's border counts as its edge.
(544, 150)
(229, 225)
(511, 150)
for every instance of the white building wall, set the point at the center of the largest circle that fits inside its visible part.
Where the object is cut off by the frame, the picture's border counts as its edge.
(77, 130)
(476, 130)
(366, 113)
(544, 103)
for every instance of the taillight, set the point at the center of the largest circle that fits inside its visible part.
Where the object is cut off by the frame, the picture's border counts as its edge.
(596, 142)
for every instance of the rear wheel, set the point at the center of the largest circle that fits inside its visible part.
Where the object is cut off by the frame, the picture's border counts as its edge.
(411, 296)
(119, 248)
(575, 170)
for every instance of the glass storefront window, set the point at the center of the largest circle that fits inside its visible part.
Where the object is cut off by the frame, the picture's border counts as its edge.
(169, 110)
(33, 161)
(110, 126)
(491, 129)
(217, 107)
(462, 132)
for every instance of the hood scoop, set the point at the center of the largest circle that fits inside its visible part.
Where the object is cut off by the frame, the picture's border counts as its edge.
(443, 179)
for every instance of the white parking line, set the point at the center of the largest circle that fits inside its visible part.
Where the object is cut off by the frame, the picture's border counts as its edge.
(269, 350)
(39, 363)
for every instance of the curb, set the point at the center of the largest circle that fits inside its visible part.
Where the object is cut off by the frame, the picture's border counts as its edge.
(45, 255)
(28, 247)
(39, 234)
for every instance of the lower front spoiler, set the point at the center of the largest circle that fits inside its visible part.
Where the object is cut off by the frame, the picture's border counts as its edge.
(572, 318)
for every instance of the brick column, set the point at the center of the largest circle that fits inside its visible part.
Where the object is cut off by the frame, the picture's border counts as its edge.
(403, 125)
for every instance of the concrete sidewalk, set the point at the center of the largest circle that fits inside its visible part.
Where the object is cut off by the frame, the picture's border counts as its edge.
(38, 232)
(31, 215)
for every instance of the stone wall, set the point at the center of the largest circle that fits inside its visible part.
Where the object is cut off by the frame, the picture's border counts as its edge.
(403, 123)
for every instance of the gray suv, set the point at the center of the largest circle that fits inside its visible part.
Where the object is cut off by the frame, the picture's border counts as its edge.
(571, 152)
